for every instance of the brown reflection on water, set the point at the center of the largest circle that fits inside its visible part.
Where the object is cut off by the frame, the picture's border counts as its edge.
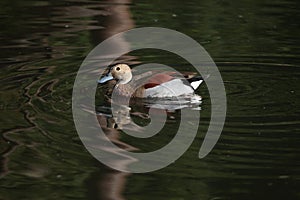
(111, 184)
(118, 20)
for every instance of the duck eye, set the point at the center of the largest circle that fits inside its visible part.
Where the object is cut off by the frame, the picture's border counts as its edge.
(118, 68)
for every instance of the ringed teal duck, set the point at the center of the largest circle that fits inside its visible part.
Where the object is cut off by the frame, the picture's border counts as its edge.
(160, 85)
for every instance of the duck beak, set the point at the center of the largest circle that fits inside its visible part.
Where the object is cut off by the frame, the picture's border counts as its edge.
(106, 78)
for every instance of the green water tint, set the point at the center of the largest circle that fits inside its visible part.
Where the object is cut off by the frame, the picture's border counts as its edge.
(255, 46)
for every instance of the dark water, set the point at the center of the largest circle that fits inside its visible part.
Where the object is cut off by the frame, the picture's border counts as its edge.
(255, 45)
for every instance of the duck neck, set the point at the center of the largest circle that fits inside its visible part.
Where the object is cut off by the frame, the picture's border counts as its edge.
(125, 79)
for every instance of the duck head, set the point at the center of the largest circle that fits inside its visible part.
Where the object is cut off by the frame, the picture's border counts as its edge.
(121, 73)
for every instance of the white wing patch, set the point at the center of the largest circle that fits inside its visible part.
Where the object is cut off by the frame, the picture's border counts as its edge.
(171, 88)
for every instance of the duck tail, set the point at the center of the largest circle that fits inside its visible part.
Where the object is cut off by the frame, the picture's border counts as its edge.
(195, 82)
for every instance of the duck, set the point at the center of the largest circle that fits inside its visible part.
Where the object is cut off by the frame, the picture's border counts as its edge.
(149, 84)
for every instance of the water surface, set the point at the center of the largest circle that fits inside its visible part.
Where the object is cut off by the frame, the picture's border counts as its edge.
(255, 45)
